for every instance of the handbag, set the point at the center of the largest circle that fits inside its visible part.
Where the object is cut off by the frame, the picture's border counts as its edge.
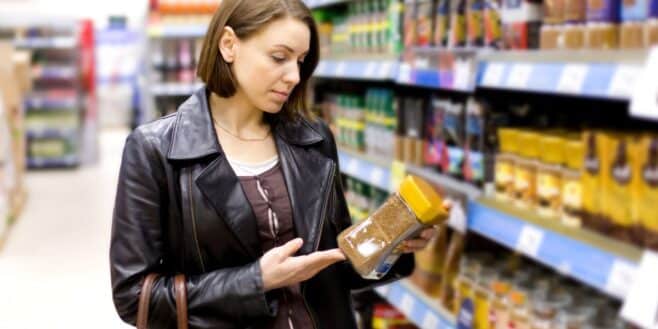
(180, 290)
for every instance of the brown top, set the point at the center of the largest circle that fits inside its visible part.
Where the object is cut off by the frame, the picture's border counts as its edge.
(268, 195)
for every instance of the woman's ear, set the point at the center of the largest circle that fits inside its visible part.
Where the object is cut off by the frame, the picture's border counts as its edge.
(228, 44)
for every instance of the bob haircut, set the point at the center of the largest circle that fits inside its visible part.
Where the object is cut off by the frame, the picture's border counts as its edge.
(246, 18)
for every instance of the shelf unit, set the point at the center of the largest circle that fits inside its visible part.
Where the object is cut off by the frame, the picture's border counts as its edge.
(64, 90)
(595, 260)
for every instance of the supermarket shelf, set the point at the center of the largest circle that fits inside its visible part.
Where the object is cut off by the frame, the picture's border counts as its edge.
(177, 31)
(434, 78)
(174, 89)
(52, 133)
(54, 72)
(445, 182)
(373, 70)
(52, 103)
(46, 42)
(42, 163)
(313, 4)
(369, 170)
(597, 261)
(416, 306)
(579, 73)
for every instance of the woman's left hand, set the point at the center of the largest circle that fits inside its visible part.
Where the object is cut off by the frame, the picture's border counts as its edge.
(419, 242)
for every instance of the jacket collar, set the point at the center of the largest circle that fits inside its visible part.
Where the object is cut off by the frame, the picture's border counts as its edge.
(194, 135)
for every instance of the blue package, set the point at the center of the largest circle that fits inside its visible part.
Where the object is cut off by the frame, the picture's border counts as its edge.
(634, 10)
(653, 8)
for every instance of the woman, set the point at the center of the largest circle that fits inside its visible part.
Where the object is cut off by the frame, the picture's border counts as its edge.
(240, 190)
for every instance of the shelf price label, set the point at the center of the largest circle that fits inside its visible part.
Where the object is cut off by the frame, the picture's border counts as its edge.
(405, 73)
(398, 172)
(353, 167)
(430, 321)
(383, 290)
(620, 278)
(407, 304)
(457, 219)
(644, 98)
(530, 240)
(462, 74)
(623, 82)
(519, 76)
(371, 69)
(341, 68)
(385, 70)
(493, 75)
(572, 78)
(376, 176)
(641, 302)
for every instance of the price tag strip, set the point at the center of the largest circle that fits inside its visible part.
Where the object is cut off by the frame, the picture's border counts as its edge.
(641, 304)
(644, 95)
(594, 267)
(415, 307)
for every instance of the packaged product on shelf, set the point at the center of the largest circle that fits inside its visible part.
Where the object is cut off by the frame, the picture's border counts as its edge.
(442, 23)
(435, 153)
(651, 35)
(493, 28)
(386, 316)
(453, 131)
(521, 24)
(549, 175)
(602, 29)
(554, 11)
(546, 305)
(475, 23)
(372, 246)
(482, 297)
(572, 188)
(575, 11)
(506, 160)
(424, 22)
(620, 184)
(429, 263)
(579, 317)
(603, 11)
(475, 168)
(592, 179)
(525, 171)
(413, 124)
(647, 167)
(410, 23)
(458, 25)
(574, 36)
(451, 268)
(517, 314)
(633, 17)
(500, 289)
(394, 26)
(469, 269)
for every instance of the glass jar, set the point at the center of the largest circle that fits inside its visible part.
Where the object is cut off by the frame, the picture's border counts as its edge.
(371, 245)
(504, 164)
(500, 288)
(549, 176)
(546, 305)
(578, 317)
(572, 188)
(482, 297)
(525, 171)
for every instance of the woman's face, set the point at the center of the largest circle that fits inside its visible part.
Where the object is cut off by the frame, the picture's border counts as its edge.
(267, 65)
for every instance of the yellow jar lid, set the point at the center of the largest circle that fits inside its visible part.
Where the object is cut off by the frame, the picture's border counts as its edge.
(507, 140)
(552, 149)
(423, 200)
(528, 144)
(575, 154)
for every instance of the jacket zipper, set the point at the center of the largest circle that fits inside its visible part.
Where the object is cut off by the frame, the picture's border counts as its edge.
(194, 230)
(317, 242)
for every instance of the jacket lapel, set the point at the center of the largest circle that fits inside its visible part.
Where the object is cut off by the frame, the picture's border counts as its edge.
(219, 184)
(308, 175)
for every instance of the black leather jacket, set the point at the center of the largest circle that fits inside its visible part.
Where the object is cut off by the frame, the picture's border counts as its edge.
(180, 209)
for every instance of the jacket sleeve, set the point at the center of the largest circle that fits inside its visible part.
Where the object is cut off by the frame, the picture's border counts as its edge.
(342, 220)
(137, 242)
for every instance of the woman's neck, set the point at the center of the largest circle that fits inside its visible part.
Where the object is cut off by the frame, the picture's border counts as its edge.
(236, 114)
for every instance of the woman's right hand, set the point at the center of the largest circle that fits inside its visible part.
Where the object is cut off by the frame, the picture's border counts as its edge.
(280, 269)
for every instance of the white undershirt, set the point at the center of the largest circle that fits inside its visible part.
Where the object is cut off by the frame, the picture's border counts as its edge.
(252, 169)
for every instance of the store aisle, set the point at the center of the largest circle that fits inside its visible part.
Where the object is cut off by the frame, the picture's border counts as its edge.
(54, 268)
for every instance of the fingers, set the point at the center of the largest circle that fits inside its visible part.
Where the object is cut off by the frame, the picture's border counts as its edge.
(447, 204)
(415, 244)
(428, 234)
(290, 248)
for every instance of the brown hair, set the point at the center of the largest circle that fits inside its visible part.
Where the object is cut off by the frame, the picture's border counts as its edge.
(247, 17)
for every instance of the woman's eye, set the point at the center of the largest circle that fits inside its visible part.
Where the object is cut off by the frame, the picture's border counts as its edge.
(278, 59)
